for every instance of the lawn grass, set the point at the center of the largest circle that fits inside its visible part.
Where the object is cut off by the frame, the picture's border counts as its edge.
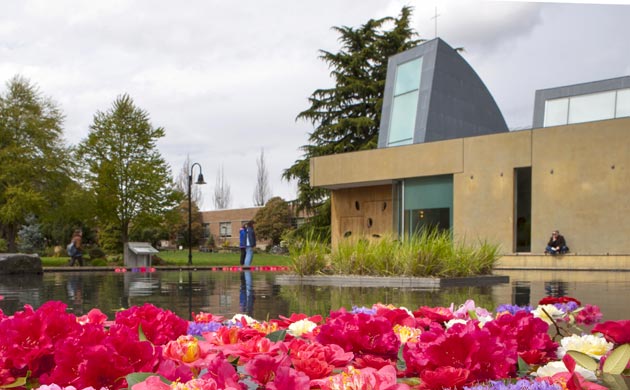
(199, 259)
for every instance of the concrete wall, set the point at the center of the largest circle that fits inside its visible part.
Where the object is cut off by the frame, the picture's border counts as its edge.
(580, 183)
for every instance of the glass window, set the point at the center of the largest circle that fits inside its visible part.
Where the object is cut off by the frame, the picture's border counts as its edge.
(556, 112)
(405, 103)
(408, 76)
(206, 229)
(592, 107)
(623, 103)
(225, 229)
(403, 120)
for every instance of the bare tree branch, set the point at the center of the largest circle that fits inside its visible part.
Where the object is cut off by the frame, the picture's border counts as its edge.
(262, 192)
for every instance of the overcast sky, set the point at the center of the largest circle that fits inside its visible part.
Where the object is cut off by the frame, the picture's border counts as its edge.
(227, 78)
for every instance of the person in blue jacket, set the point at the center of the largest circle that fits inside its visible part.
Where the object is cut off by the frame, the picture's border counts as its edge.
(250, 243)
(242, 234)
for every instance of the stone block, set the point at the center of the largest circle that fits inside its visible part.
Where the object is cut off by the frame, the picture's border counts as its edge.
(20, 263)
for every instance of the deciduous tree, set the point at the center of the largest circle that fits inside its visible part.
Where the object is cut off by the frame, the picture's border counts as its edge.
(273, 219)
(222, 193)
(262, 192)
(34, 168)
(124, 168)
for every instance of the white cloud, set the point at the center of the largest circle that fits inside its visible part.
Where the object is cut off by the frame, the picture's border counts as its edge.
(226, 79)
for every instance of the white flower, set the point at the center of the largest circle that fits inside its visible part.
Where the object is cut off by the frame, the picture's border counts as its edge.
(594, 346)
(552, 368)
(453, 322)
(298, 328)
(238, 317)
(484, 319)
(553, 311)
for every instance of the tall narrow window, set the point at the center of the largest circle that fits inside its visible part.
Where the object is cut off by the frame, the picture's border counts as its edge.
(405, 102)
(523, 209)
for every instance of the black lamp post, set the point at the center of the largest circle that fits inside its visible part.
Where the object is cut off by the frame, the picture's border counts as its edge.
(199, 181)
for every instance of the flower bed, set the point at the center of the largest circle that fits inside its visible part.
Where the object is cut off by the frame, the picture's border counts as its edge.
(378, 347)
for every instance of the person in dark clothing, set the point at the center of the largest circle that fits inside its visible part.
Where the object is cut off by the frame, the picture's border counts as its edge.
(250, 243)
(556, 244)
(76, 256)
(242, 236)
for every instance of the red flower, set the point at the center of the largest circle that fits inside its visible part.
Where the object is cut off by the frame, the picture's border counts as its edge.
(159, 326)
(444, 378)
(554, 300)
(463, 346)
(437, 314)
(589, 315)
(360, 333)
(617, 332)
(284, 322)
(396, 316)
(524, 335)
(317, 360)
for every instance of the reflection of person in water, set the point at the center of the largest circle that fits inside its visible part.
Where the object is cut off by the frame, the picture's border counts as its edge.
(246, 298)
(556, 288)
(75, 293)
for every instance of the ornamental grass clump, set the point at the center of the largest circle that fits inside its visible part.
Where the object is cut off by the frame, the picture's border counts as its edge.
(308, 255)
(430, 253)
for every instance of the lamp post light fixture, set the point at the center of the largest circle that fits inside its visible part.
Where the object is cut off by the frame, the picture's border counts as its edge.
(199, 181)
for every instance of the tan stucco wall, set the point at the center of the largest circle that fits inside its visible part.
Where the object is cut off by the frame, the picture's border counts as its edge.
(373, 166)
(587, 197)
(483, 194)
(352, 209)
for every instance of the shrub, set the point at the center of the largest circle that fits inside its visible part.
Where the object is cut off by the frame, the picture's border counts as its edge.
(100, 262)
(96, 253)
(3, 245)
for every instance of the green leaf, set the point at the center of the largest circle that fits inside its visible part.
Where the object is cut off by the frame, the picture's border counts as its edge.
(401, 365)
(137, 377)
(278, 335)
(141, 334)
(19, 382)
(616, 382)
(584, 360)
(617, 360)
(473, 314)
(523, 368)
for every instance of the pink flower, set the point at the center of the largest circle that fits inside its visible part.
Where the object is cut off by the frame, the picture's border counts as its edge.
(367, 378)
(589, 315)
(151, 383)
(262, 368)
(288, 378)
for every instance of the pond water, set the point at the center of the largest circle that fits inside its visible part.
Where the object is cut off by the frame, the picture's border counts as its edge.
(256, 293)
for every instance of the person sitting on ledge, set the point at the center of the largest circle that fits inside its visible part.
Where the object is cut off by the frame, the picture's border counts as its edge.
(556, 244)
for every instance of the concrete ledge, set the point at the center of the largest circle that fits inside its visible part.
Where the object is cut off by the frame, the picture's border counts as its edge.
(402, 282)
(567, 262)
